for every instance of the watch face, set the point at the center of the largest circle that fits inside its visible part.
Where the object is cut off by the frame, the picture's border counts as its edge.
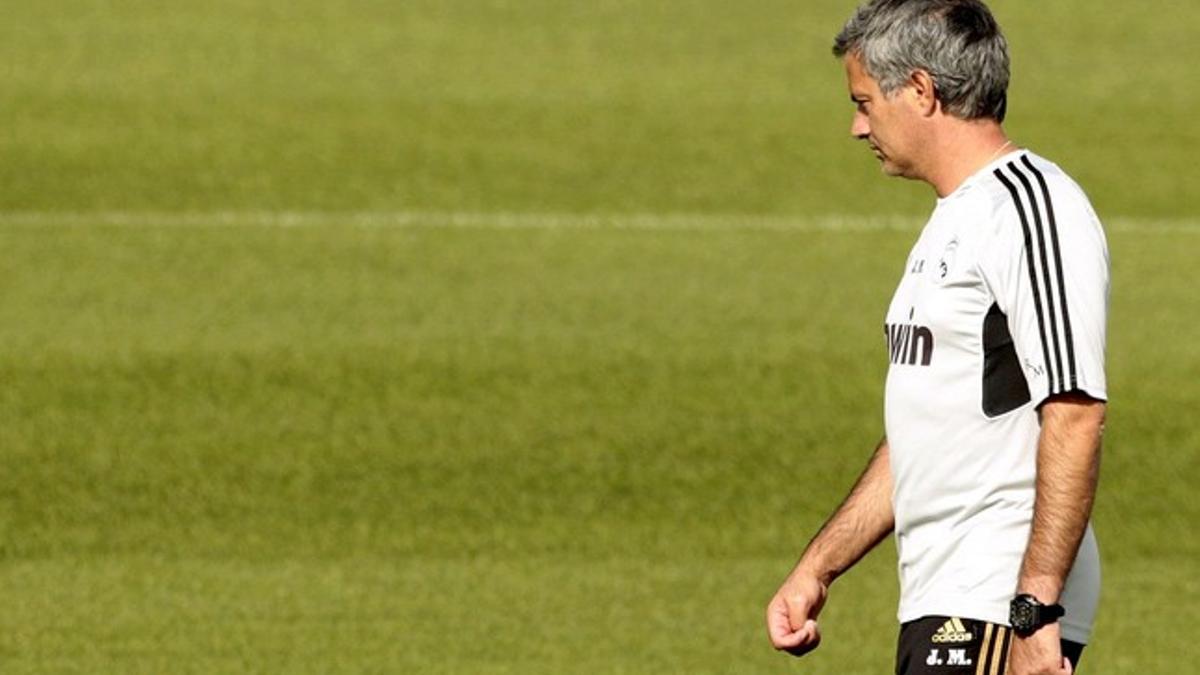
(1022, 615)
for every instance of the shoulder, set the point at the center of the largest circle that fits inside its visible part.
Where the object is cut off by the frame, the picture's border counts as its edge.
(1028, 195)
(1037, 189)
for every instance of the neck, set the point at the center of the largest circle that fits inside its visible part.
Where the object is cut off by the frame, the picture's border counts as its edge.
(962, 149)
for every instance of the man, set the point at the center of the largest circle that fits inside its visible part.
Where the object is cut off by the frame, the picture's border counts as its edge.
(995, 396)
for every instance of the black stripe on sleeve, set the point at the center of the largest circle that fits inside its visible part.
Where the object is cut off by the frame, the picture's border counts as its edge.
(1037, 300)
(1062, 289)
(1051, 315)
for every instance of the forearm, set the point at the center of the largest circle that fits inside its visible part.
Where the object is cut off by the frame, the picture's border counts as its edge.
(863, 519)
(1068, 466)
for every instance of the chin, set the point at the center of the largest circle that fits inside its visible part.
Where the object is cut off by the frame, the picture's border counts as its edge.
(895, 170)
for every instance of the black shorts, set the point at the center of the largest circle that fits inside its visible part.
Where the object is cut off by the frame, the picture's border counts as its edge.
(943, 645)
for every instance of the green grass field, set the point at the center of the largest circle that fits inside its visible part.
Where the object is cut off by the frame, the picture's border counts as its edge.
(515, 337)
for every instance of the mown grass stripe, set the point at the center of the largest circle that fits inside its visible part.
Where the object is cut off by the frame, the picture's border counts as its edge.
(519, 220)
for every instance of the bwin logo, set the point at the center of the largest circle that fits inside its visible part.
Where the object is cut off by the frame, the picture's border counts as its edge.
(908, 344)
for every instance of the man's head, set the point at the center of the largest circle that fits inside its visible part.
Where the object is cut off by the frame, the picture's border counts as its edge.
(956, 41)
(912, 65)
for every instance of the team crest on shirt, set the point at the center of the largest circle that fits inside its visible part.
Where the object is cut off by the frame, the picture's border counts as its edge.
(946, 262)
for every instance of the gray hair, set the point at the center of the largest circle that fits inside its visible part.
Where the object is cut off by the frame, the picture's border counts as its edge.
(957, 42)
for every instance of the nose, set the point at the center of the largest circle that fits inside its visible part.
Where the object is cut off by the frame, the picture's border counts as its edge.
(860, 127)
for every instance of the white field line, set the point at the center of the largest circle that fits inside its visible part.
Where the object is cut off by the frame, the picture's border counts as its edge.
(457, 219)
(518, 220)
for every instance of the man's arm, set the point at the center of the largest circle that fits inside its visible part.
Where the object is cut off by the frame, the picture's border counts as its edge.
(864, 518)
(1068, 467)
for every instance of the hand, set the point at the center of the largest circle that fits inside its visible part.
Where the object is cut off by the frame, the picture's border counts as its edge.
(1039, 654)
(792, 614)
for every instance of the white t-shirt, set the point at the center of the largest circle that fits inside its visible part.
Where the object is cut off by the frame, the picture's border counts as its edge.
(1002, 304)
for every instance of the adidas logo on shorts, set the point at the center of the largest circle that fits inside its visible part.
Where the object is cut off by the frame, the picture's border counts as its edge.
(954, 632)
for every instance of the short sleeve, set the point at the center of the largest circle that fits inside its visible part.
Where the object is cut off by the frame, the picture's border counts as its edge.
(1048, 269)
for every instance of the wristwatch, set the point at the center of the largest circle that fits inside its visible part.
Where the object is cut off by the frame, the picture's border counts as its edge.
(1027, 614)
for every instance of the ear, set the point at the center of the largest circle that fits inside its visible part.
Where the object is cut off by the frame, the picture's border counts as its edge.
(923, 92)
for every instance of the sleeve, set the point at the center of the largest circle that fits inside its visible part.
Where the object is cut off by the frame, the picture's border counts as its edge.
(1048, 269)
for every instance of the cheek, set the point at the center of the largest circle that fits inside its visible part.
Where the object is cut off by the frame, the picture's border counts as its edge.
(880, 127)
(889, 129)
